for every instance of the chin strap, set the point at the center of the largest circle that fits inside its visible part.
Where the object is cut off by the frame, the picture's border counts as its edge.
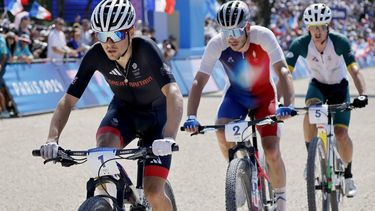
(127, 48)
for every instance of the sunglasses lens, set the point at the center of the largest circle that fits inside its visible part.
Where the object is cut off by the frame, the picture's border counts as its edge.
(235, 33)
(115, 36)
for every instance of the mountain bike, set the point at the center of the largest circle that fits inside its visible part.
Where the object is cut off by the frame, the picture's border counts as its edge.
(109, 179)
(247, 186)
(325, 168)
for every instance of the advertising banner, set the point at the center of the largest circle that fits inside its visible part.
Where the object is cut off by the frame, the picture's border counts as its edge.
(37, 88)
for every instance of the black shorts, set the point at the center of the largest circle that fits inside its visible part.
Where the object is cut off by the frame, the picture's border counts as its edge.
(147, 123)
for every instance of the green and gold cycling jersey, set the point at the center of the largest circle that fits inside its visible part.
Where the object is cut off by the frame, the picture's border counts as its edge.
(329, 67)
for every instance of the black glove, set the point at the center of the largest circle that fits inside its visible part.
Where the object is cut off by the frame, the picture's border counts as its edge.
(360, 101)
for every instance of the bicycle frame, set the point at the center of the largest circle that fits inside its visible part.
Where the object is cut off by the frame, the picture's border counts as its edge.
(123, 184)
(252, 153)
(333, 167)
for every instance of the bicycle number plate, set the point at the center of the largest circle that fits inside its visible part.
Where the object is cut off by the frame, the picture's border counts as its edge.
(233, 131)
(318, 114)
(97, 156)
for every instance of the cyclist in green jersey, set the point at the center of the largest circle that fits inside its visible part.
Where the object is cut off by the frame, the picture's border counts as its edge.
(329, 59)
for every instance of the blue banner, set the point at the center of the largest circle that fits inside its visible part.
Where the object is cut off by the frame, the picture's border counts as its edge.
(34, 88)
(37, 88)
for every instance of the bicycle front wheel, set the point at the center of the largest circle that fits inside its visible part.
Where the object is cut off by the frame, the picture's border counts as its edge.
(317, 192)
(169, 192)
(95, 203)
(238, 186)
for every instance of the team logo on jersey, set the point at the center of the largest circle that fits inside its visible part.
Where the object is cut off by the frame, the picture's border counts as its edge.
(165, 70)
(114, 122)
(156, 161)
(315, 59)
(115, 72)
(74, 80)
(329, 58)
(289, 54)
(136, 71)
(230, 59)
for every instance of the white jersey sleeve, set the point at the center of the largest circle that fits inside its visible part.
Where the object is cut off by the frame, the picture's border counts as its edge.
(211, 54)
(265, 38)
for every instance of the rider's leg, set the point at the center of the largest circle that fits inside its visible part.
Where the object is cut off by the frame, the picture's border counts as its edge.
(223, 144)
(309, 130)
(154, 192)
(276, 169)
(343, 143)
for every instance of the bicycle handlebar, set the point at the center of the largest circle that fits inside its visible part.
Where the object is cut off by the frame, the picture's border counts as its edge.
(346, 106)
(201, 128)
(66, 156)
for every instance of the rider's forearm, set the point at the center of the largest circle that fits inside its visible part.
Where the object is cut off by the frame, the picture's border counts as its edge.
(359, 80)
(286, 86)
(194, 98)
(59, 120)
(174, 111)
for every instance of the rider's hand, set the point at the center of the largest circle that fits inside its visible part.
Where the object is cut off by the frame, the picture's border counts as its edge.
(162, 147)
(49, 150)
(191, 124)
(360, 101)
(285, 112)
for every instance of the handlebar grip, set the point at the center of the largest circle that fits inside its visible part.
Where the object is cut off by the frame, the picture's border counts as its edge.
(175, 147)
(182, 128)
(36, 152)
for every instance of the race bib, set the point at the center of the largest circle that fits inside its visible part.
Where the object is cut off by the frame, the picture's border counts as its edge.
(97, 156)
(233, 131)
(318, 114)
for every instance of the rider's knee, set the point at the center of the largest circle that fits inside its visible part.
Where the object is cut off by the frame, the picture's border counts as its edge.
(109, 140)
(341, 133)
(272, 154)
(153, 193)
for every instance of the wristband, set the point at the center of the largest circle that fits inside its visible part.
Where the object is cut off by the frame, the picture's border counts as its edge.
(192, 117)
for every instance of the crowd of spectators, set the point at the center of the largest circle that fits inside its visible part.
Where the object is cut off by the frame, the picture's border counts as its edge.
(23, 40)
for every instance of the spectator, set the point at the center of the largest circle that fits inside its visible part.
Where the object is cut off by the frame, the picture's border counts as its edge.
(39, 43)
(86, 32)
(169, 50)
(23, 53)
(22, 22)
(57, 48)
(3, 58)
(76, 44)
(10, 40)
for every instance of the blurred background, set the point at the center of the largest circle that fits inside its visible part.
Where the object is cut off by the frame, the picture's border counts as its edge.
(181, 29)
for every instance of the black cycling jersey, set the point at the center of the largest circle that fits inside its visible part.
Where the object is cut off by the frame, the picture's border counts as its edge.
(147, 74)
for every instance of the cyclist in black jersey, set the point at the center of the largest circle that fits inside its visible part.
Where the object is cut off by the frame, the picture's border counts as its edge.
(147, 101)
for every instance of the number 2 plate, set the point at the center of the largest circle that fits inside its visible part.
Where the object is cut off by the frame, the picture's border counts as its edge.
(233, 131)
(97, 156)
(318, 114)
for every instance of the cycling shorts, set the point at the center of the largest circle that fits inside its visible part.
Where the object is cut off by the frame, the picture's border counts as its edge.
(332, 94)
(128, 123)
(234, 106)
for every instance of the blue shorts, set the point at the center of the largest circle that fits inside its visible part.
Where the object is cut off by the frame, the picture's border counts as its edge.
(235, 105)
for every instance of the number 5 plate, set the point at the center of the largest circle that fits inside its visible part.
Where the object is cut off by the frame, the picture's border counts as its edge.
(318, 114)
(97, 156)
(233, 131)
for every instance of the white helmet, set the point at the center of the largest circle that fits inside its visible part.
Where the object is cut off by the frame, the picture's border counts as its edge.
(112, 15)
(317, 14)
(233, 14)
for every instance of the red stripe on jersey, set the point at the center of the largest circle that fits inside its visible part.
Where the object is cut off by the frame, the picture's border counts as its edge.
(112, 130)
(156, 171)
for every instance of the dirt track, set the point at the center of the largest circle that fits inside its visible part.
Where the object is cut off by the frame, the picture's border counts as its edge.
(198, 170)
